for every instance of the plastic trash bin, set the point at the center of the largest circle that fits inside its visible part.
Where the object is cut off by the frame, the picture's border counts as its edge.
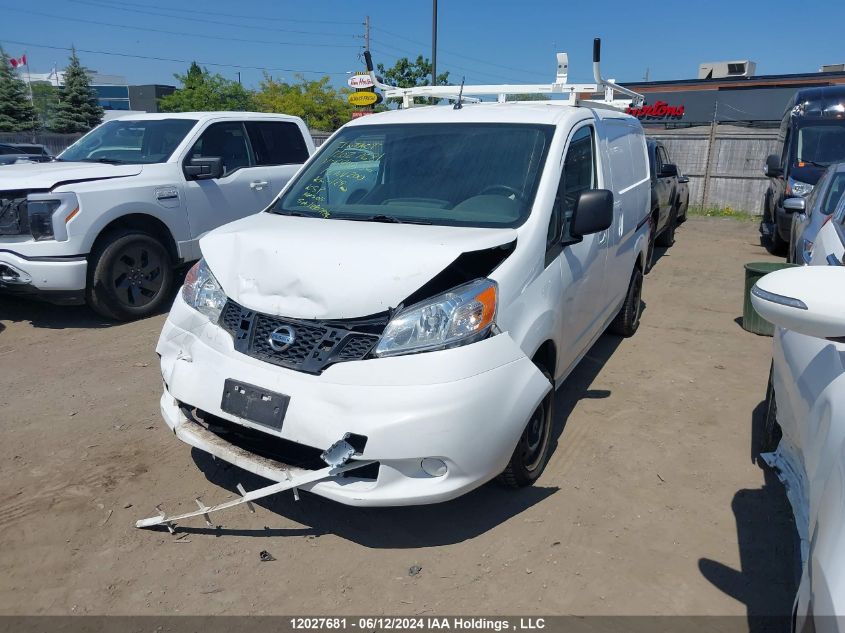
(751, 320)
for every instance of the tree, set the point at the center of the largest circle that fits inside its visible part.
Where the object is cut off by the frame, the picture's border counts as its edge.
(407, 74)
(45, 98)
(315, 101)
(16, 111)
(77, 109)
(202, 91)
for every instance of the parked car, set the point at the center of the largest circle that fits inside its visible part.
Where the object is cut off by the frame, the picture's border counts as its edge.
(805, 421)
(811, 137)
(829, 246)
(665, 201)
(118, 210)
(423, 321)
(17, 153)
(811, 213)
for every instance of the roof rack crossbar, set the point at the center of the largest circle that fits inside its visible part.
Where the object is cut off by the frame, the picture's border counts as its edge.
(574, 92)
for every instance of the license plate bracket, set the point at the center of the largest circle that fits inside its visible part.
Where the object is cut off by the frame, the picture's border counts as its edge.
(256, 404)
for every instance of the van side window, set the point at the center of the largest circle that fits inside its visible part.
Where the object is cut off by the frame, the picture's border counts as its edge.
(579, 174)
(226, 140)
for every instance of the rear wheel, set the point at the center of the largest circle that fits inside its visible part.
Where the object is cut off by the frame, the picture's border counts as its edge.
(667, 238)
(627, 321)
(130, 276)
(533, 450)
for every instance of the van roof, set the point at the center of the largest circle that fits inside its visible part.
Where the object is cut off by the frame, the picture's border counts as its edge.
(204, 116)
(537, 112)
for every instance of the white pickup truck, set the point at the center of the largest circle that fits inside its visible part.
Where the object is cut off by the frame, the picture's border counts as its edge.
(109, 221)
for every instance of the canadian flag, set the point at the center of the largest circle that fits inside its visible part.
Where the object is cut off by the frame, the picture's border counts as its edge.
(18, 61)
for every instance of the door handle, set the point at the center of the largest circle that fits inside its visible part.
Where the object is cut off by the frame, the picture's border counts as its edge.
(258, 184)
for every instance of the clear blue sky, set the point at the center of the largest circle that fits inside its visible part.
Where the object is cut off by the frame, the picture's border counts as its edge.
(488, 41)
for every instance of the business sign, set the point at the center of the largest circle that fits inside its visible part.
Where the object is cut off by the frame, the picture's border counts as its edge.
(360, 81)
(658, 110)
(362, 98)
(357, 114)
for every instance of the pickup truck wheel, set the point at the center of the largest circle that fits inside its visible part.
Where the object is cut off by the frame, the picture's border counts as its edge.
(131, 275)
(533, 450)
(667, 238)
(627, 321)
(771, 429)
(649, 257)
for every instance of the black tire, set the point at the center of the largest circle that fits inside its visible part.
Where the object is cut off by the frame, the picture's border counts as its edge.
(627, 321)
(534, 447)
(130, 276)
(683, 217)
(649, 258)
(770, 437)
(667, 237)
(775, 244)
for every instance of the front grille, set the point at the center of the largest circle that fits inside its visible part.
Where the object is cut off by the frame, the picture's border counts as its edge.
(316, 345)
(14, 219)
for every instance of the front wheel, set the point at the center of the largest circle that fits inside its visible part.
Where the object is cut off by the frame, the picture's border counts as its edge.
(131, 276)
(533, 450)
(667, 238)
(627, 321)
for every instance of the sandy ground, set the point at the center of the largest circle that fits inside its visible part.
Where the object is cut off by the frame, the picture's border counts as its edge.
(652, 503)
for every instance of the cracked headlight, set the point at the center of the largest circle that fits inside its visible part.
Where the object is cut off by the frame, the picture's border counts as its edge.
(460, 316)
(202, 292)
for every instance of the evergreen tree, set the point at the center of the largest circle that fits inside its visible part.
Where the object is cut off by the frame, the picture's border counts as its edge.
(16, 111)
(77, 109)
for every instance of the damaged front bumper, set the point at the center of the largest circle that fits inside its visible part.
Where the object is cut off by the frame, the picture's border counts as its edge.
(465, 407)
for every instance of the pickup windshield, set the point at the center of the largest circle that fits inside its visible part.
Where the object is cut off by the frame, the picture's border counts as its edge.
(458, 174)
(820, 144)
(119, 142)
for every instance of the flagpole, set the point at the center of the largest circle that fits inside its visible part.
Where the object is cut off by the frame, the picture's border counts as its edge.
(28, 78)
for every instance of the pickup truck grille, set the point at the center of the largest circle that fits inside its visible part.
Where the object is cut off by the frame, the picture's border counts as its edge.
(316, 344)
(14, 219)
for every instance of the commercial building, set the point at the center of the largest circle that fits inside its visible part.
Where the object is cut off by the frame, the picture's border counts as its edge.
(113, 92)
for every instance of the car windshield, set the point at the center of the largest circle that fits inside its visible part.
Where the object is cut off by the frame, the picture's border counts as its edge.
(450, 174)
(117, 142)
(820, 144)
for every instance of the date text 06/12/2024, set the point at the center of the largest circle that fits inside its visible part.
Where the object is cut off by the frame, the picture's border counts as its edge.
(386, 623)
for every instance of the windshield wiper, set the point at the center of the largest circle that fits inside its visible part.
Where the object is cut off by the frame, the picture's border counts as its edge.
(296, 214)
(380, 217)
(106, 161)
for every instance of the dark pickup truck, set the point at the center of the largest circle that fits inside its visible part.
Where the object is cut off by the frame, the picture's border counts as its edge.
(668, 196)
(13, 152)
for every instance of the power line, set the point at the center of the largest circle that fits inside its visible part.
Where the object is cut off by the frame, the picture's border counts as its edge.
(102, 5)
(179, 33)
(170, 59)
(443, 50)
(472, 71)
(234, 15)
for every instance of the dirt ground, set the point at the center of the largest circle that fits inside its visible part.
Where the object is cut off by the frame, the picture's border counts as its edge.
(652, 503)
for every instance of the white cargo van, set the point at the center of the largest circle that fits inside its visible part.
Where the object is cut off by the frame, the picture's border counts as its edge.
(391, 330)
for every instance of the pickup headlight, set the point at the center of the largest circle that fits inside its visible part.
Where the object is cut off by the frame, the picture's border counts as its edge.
(202, 292)
(41, 218)
(798, 188)
(460, 316)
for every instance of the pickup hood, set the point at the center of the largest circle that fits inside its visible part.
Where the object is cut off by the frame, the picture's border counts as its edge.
(47, 175)
(310, 268)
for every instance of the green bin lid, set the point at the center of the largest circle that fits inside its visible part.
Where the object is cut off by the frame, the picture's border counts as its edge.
(764, 268)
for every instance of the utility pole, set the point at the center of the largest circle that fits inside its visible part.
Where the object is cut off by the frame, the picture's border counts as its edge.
(239, 77)
(367, 33)
(434, 43)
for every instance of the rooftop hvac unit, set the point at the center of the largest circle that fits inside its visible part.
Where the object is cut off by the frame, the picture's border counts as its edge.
(832, 68)
(721, 70)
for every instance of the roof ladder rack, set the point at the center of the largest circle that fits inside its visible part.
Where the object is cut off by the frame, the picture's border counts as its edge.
(574, 92)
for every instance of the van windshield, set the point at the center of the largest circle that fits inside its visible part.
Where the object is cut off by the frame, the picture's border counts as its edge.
(121, 141)
(450, 174)
(820, 144)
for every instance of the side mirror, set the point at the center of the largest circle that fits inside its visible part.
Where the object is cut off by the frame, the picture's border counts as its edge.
(683, 180)
(203, 168)
(791, 205)
(669, 170)
(772, 168)
(803, 299)
(593, 212)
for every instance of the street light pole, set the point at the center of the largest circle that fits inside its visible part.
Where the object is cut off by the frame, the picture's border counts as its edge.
(434, 43)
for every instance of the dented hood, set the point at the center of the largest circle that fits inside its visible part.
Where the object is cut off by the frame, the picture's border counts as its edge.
(48, 175)
(310, 268)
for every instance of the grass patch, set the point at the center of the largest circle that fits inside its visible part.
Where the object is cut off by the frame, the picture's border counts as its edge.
(723, 212)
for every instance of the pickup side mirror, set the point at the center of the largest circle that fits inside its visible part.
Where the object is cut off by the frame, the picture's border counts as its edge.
(203, 168)
(669, 170)
(791, 205)
(593, 212)
(772, 169)
(682, 180)
(803, 299)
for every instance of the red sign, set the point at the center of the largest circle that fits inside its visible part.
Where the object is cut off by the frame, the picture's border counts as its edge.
(660, 110)
(357, 114)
